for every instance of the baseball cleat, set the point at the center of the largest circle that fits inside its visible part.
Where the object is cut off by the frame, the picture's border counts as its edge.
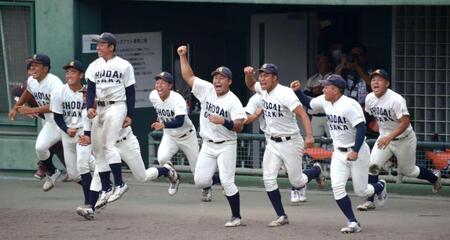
(234, 222)
(281, 220)
(383, 195)
(40, 171)
(207, 194)
(366, 206)
(50, 181)
(298, 195)
(103, 199)
(85, 211)
(174, 179)
(438, 184)
(352, 227)
(321, 178)
(118, 192)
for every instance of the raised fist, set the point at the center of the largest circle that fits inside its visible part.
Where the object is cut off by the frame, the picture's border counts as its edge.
(249, 70)
(181, 50)
(296, 85)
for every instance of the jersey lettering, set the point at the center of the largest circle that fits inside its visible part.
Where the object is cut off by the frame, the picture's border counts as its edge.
(42, 97)
(73, 108)
(108, 76)
(381, 114)
(213, 109)
(272, 109)
(336, 122)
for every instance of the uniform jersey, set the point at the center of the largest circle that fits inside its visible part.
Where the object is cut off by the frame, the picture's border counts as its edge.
(278, 106)
(42, 91)
(253, 103)
(70, 104)
(342, 117)
(111, 78)
(388, 109)
(166, 110)
(227, 106)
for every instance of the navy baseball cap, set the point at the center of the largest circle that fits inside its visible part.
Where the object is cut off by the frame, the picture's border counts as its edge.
(269, 68)
(165, 76)
(381, 72)
(74, 64)
(41, 58)
(222, 70)
(335, 80)
(107, 38)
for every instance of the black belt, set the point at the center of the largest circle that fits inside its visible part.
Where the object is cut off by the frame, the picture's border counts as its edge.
(343, 149)
(105, 103)
(220, 142)
(121, 140)
(280, 139)
(396, 139)
(319, 115)
(184, 135)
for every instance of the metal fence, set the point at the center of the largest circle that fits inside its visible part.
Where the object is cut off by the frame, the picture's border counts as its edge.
(250, 151)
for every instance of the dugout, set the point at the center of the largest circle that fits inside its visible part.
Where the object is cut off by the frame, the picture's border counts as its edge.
(412, 42)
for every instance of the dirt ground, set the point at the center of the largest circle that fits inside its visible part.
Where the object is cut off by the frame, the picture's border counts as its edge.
(147, 212)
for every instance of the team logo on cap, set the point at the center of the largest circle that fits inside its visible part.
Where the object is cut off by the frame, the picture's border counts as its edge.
(378, 71)
(264, 65)
(161, 74)
(34, 56)
(220, 69)
(72, 63)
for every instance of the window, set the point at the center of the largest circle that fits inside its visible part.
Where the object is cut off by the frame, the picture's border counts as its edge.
(15, 46)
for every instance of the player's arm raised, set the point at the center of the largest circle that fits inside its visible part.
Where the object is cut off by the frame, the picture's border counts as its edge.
(249, 78)
(186, 70)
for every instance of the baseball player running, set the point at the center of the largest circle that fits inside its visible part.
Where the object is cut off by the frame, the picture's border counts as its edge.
(350, 157)
(396, 138)
(179, 132)
(221, 116)
(110, 80)
(40, 86)
(254, 111)
(284, 144)
(67, 104)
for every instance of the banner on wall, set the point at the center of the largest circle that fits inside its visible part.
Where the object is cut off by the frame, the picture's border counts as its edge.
(143, 51)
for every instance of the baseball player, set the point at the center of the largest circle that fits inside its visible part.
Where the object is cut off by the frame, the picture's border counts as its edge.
(40, 85)
(396, 138)
(55, 149)
(284, 144)
(179, 132)
(221, 116)
(350, 157)
(254, 111)
(111, 81)
(67, 104)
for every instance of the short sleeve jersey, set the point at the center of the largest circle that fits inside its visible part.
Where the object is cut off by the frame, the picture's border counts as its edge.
(111, 78)
(342, 117)
(173, 105)
(253, 103)
(70, 104)
(387, 110)
(227, 106)
(42, 91)
(278, 105)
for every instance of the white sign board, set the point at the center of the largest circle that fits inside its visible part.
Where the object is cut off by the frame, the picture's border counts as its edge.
(144, 52)
(87, 44)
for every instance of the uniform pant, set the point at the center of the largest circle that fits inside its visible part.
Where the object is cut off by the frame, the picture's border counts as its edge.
(404, 150)
(213, 156)
(76, 156)
(341, 169)
(170, 145)
(105, 132)
(289, 153)
(47, 137)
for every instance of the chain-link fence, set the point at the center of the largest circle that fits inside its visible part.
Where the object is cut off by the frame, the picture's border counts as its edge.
(250, 151)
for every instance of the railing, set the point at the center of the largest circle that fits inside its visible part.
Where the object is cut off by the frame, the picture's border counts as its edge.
(431, 155)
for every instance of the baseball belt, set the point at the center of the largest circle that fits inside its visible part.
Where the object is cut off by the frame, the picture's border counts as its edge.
(184, 135)
(105, 103)
(280, 139)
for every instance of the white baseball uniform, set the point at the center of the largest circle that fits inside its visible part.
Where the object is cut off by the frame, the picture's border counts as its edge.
(111, 78)
(285, 144)
(318, 119)
(174, 139)
(342, 117)
(49, 134)
(253, 103)
(71, 104)
(219, 144)
(387, 110)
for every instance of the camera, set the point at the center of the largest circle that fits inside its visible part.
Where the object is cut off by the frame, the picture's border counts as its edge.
(351, 58)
